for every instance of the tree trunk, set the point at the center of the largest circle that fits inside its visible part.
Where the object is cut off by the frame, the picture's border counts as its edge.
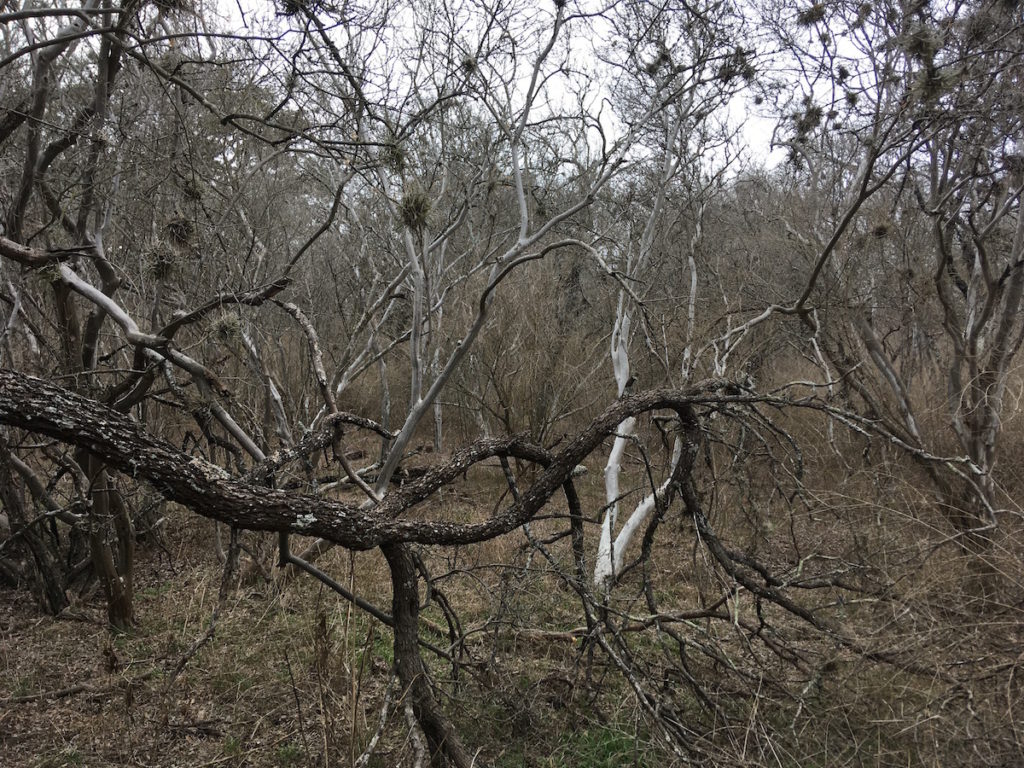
(111, 544)
(48, 574)
(445, 745)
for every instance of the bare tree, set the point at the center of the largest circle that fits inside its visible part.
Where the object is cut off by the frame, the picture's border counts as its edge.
(219, 244)
(952, 155)
(699, 56)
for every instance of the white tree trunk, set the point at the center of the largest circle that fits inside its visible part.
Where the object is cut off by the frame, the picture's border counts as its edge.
(604, 567)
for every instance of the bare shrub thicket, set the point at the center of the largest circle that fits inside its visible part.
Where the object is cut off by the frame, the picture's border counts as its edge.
(607, 445)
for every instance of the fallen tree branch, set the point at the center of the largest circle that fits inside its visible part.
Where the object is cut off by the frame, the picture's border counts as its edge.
(208, 490)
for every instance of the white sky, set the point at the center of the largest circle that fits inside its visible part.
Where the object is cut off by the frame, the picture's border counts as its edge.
(756, 132)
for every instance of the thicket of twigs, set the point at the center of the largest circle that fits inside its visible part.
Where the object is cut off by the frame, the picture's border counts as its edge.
(395, 383)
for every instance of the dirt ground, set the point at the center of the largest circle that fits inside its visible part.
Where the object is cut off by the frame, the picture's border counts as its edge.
(280, 682)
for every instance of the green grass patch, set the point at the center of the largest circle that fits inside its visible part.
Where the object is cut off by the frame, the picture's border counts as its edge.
(599, 747)
(288, 754)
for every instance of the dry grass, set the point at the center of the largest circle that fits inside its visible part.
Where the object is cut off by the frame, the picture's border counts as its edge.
(72, 694)
(928, 672)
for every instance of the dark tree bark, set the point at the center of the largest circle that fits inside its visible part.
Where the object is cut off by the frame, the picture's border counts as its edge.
(111, 543)
(208, 490)
(445, 745)
(48, 572)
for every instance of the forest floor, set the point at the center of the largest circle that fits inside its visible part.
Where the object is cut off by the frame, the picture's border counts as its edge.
(74, 694)
(294, 676)
(291, 676)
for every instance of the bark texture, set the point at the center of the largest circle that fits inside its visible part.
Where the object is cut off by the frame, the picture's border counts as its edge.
(445, 745)
(208, 490)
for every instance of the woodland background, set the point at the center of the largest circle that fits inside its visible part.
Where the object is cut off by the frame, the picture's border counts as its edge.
(405, 383)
